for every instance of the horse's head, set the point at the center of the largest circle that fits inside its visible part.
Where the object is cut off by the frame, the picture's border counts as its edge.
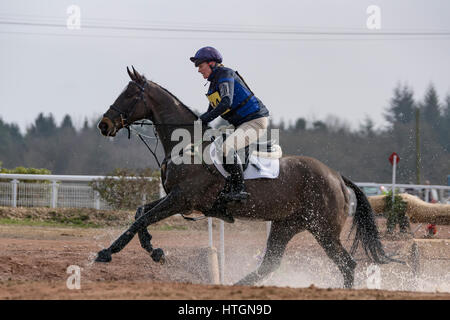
(131, 105)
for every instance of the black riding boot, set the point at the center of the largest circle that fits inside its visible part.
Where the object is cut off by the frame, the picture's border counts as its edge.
(237, 192)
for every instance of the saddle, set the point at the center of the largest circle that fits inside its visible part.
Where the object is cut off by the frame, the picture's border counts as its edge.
(260, 149)
(258, 160)
(265, 149)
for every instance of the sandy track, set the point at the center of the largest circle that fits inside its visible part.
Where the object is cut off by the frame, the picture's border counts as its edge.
(33, 263)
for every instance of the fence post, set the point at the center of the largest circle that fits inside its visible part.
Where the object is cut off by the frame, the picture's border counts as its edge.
(144, 199)
(14, 183)
(97, 200)
(441, 196)
(222, 252)
(54, 194)
(162, 193)
(210, 232)
(268, 227)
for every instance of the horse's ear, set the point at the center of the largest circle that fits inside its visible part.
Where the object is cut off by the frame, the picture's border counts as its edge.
(130, 74)
(137, 75)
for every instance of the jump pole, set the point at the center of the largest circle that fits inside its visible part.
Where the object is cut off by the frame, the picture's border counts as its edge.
(210, 232)
(394, 167)
(213, 263)
(268, 226)
(393, 159)
(222, 252)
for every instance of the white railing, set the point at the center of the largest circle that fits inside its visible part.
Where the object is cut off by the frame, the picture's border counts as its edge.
(426, 192)
(63, 191)
(67, 191)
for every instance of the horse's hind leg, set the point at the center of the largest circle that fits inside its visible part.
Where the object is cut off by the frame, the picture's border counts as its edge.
(336, 252)
(280, 234)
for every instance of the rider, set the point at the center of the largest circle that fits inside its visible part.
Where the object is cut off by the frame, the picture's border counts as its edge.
(233, 100)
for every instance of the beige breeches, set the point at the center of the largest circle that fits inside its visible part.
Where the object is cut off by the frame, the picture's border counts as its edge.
(245, 134)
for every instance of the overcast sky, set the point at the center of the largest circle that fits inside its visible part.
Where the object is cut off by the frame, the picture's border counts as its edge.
(46, 68)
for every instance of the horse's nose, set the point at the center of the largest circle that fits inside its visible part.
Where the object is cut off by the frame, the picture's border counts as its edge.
(103, 126)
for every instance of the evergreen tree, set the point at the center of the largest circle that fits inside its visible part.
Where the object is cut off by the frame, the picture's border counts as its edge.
(367, 127)
(444, 125)
(319, 126)
(401, 108)
(67, 122)
(67, 125)
(430, 107)
(43, 126)
(85, 124)
(9, 132)
(300, 124)
(11, 144)
(282, 125)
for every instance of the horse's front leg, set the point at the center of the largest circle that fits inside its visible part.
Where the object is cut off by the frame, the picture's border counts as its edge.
(143, 234)
(168, 206)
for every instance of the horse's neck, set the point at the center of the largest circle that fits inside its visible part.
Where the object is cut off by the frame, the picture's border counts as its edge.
(170, 110)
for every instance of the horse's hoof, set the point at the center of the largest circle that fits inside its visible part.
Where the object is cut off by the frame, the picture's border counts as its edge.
(103, 256)
(158, 255)
(348, 284)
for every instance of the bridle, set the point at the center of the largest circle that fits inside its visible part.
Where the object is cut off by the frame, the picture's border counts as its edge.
(141, 97)
(126, 115)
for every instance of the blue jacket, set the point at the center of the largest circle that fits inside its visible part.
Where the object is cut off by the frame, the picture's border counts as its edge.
(231, 99)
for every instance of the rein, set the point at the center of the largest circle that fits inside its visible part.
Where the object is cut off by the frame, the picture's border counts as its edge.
(153, 152)
(124, 116)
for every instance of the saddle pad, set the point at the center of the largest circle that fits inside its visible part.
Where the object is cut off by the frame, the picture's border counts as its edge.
(257, 167)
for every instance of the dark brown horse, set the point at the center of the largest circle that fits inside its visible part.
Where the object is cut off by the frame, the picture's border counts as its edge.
(307, 195)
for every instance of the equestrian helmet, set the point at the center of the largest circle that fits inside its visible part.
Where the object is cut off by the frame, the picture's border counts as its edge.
(206, 54)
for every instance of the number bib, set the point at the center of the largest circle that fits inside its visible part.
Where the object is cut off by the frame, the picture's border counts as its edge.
(214, 100)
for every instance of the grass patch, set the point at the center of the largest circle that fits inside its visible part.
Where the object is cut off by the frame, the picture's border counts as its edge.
(63, 223)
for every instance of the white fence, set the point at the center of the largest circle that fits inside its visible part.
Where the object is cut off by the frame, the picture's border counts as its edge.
(54, 191)
(73, 191)
(428, 193)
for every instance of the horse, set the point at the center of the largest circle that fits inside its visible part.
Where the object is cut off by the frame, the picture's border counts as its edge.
(306, 196)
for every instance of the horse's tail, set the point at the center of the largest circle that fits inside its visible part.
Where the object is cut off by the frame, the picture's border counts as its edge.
(366, 228)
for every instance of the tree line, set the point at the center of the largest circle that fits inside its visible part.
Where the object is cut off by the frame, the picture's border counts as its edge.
(360, 154)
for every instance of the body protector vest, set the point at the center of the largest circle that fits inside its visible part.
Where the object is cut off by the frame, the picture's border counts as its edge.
(230, 98)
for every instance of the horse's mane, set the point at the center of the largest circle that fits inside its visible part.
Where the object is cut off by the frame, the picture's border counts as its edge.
(178, 100)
